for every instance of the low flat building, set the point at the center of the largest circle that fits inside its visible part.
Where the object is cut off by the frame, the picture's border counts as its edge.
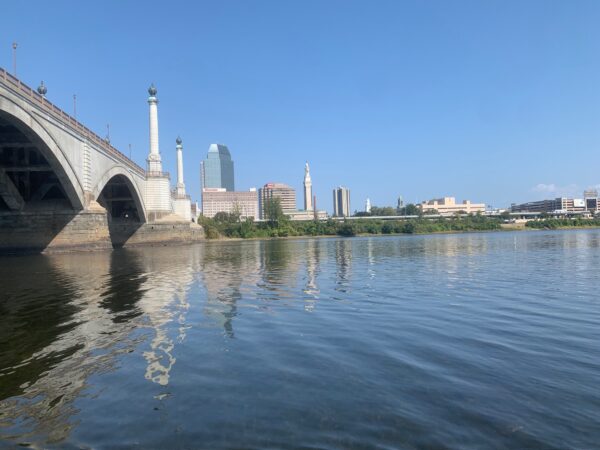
(307, 215)
(215, 200)
(447, 206)
(557, 205)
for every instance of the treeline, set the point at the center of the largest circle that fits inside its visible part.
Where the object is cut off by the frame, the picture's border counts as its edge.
(408, 210)
(228, 225)
(552, 224)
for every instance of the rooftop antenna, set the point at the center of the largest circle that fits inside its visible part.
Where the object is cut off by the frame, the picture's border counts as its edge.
(14, 46)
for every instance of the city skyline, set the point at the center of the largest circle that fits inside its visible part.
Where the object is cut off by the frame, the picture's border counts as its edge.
(530, 98)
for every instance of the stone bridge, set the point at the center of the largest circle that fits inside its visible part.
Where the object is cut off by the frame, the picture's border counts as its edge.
(63, 186)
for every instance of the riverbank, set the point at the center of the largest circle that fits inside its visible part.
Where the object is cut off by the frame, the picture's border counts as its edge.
(286, 229)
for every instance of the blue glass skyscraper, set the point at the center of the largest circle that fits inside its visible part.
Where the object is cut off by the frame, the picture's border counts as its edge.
(217, 169)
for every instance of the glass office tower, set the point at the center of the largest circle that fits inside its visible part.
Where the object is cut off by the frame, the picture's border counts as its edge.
(217, 169)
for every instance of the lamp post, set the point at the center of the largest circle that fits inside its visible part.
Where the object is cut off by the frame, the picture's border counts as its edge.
(14, 46)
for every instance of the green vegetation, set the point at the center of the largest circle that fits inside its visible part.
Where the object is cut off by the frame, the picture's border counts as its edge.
(278, 225)
(552, 224)
(408, 210)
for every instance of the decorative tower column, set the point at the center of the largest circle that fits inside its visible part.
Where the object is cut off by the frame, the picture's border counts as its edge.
(182, 203)
(154, 161)
(308, 205)
(180, 183)
(158, 189)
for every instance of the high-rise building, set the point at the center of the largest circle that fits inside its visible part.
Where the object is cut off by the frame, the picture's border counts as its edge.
(308, 198)
(285, 194)
(216, 170)
(368, 205)
(341, 202)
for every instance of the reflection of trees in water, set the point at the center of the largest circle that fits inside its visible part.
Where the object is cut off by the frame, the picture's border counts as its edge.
(279, 266)
(224, 269)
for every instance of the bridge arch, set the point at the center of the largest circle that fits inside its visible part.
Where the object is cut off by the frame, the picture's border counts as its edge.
(119, 174)
(34, 142)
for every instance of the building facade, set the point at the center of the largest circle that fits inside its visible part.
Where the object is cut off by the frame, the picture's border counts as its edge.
(215, 200)
(285, 194)
(216, 171)
(447, 206)
(559, 204)
(341, 202)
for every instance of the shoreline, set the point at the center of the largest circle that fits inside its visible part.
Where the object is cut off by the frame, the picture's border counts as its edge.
(329, 236)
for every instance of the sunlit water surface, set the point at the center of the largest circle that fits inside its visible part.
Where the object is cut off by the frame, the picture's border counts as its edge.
(450, 341)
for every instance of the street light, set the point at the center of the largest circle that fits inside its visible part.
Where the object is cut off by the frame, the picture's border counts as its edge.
(14, 46)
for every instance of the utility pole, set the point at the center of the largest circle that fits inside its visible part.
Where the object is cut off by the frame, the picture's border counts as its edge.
(75, 106)
(14, 46)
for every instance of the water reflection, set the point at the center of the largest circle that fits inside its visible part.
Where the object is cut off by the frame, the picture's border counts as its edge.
(311, 288)
(343, 261)
(155, 320)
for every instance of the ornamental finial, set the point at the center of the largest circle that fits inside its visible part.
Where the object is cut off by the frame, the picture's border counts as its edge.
(42, 89)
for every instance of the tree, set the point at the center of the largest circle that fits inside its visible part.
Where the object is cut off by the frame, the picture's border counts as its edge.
(412, 210)
(225, 217)
(274, 212)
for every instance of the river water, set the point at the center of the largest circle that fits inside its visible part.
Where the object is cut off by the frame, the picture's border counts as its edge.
(487, 340)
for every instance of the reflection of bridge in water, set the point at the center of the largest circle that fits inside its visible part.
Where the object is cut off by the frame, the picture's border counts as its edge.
(61, 185)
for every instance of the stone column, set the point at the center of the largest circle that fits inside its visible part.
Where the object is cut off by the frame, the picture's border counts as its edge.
(180, 183)
(154, 160)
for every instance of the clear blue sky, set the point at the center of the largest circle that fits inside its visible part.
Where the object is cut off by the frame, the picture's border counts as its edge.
(493, 101)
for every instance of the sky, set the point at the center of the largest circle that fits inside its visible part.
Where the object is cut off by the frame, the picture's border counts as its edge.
(492, 101)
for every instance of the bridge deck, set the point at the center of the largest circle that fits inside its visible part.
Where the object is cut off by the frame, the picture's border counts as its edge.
(21, 89)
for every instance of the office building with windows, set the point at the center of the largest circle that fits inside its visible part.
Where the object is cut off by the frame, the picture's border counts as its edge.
(215, 200)
(216, 171)
(285, 194)
(341, 202)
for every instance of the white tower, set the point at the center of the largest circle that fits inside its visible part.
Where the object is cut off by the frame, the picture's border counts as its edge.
(180, 183)
(308, 206)
(368, 205)
(154, 161)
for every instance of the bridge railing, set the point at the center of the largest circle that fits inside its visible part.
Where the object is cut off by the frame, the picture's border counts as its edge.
(57, 113)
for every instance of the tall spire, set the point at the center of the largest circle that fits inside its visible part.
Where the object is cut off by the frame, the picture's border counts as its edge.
(180, 183)
(154, 160)
(308, 198)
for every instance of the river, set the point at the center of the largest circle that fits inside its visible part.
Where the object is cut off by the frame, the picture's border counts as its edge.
(481, 340)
